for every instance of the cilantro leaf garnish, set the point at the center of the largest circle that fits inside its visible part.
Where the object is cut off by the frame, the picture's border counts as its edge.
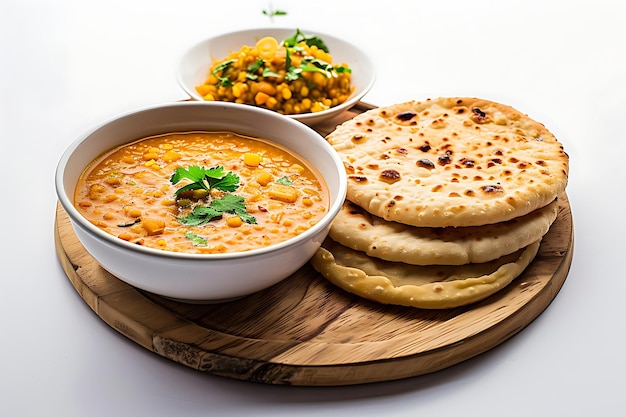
(229, 203)
(208, 179)
(200, 215)
(195, 239)
(235, 205)
(269, 73)
(229, 182)
(221, 67)
(284, 181)
(271, 13)
(292, 72)
(205, 179)
(308, 64)
(253, 68)
(310, 40)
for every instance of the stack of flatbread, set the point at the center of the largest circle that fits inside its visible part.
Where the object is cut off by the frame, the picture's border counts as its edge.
(448, 200)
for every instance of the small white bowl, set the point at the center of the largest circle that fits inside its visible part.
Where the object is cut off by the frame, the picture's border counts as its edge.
(200, 277)
(194, 66)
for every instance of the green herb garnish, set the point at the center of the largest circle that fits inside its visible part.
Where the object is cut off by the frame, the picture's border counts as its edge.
(229, 203)
(309, 64)
(205, 179)
(271, 13)
(284, 181)
(221, 67)
(269, 73)
(252, 69)
(310, 40)
(130, 223)
(195, 239)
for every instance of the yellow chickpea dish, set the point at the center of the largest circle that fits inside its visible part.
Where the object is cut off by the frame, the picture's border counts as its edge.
(294, 76)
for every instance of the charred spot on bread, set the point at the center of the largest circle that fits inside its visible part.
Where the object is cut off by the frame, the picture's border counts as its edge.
(406, 115)
(389, 176)
(492, 189)
(425, 163)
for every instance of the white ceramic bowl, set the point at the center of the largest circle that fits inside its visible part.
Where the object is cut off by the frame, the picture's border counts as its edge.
(200, 277)
(194, 66)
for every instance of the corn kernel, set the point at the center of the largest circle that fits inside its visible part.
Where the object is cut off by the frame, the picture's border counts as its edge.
(252, 159)
(261, 98)
(95, 190)
(113, 180)
(234, 221)
(168, 202)
(171, 156)
(264, 178)
(132, 212)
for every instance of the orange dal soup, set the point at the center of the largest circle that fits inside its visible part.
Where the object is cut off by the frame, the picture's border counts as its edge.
(128, 193)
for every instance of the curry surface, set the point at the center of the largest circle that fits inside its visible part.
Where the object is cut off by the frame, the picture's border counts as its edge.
(128, 193)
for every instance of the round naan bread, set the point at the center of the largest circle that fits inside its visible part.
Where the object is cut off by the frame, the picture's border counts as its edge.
(449, 162)
(357, 229)
(428, 287)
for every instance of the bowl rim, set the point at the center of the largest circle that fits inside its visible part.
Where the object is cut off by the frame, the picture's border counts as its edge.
(66, 201)
(353, 99)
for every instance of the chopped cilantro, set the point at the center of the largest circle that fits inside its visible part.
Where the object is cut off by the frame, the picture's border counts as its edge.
(200, 215)
(269, 73)
(195, 239)
(254, 67)
(284, 181)
(229, 203)
(309, 64)
(130, 223)
(221, 67)
(310, 40)
(271, 13)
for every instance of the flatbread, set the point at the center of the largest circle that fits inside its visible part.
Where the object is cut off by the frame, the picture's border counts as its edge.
(449, 162)
(429, 287)
(357, 229)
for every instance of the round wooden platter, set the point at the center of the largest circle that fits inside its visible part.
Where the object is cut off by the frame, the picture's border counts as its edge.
(304, 331)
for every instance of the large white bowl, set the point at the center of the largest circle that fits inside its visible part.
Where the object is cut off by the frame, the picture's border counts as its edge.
(200, 277)
(194, 66)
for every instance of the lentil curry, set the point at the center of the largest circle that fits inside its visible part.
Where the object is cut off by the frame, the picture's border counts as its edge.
(202, 192)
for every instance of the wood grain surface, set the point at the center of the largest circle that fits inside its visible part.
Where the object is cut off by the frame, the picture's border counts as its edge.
(304, 331)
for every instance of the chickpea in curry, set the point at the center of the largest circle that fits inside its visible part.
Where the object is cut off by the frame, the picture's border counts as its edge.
(202, 192)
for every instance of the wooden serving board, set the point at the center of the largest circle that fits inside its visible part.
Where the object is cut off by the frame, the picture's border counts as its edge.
(304, 331)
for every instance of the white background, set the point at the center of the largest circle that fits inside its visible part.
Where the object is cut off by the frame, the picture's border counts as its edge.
(70, 64)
